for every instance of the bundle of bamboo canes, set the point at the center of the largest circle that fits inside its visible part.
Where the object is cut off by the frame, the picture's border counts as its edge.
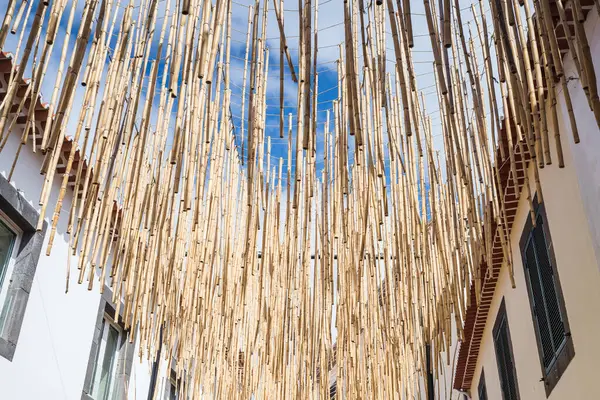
(247, 265)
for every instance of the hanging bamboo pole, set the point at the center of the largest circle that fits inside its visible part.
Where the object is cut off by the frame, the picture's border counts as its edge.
(195, 235)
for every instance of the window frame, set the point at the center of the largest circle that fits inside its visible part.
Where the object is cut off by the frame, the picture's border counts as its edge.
(173, 389)
(12, 258)
(107, 323)
(566, 351)
(125, 352)
(19, 213)
(502, 316)
(173, 383)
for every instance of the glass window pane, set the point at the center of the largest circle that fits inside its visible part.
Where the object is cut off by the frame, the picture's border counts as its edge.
(7, 240)
(173, 391)
(7, 243)
(105, 363)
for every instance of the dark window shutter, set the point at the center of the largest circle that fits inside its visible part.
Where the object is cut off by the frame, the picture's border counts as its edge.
(333, 391)
(544, 297)
(482, 393)
(548, 311)
(538, 304)
(481, 389)
(504, 356)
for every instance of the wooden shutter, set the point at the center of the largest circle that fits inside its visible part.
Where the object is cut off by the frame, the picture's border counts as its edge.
(547, 309)
(547, 304)
(504, 356)
(481, 389)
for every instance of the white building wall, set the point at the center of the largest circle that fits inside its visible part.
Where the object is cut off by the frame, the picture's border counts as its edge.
(586, 154)
(54, 345)
(444, 382)
(139, 382)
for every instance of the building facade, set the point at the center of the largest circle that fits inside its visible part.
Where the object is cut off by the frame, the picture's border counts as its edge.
(537, 338)
(54, 344)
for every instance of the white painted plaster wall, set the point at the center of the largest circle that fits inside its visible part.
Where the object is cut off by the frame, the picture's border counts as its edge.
(448, 360)
(139, 382)
(444, 367)
(586, 154)
(52, 353)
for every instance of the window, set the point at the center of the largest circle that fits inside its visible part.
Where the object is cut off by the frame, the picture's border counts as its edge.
(504, 356)
(555, 345)
(173, 390)
(481, 390)
(106, 361)
(9, 238)
(172, 385)
(333, 391)
(111, 356)
(20, 249)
